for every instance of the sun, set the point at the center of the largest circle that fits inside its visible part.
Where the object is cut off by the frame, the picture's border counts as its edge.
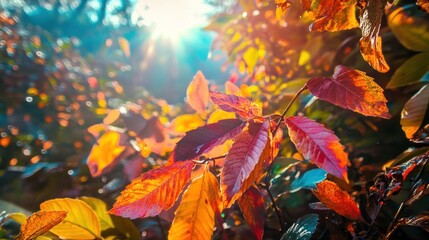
(171, 18)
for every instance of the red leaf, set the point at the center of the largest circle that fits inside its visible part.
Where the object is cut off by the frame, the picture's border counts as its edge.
(205, 138)
(198, 92)
(153, 191)
(351, 89)
(253, 209)
(318, 144)
(338, 200)
(242, 159)
(240, 105)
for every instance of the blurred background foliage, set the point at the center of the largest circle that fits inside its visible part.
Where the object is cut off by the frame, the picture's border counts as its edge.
(66, 65)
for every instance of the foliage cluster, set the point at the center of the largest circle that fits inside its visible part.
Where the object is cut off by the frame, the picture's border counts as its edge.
(299, 143)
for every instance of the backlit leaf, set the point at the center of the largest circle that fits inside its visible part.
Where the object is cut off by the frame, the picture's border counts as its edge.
(240, 105)
(121, 227)
(81, 221)
(414, 70)
(203, 139)
(218, 115)
(308, 180)
(112, 117)
(153, 191)
(424, 4)
(338, 200)
(232, 89)
(242, 158)
(198, 92)
(252, 206)
(340, 20)
(318, 144)
(331, 15)
(104, 154)
(39, 223)
(186, 122)
(195, 217)
(410, 26)
(156, 137)
(351, 89)
(370, 43)
(414, 111)
(302, 229)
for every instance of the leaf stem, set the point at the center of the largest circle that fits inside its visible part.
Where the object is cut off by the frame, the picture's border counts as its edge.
(288, 107)
(275, 207)
(205, 160)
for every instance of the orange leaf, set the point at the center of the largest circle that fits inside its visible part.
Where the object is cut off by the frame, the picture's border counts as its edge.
(370, 43)
(331, 15)
(414, 111)
(341, 20)
(104, 155)
(338, 200)
(195, 217)
(186, 122)
(198, 92)
(242, 160)
(232, 89)
(351, 89)
(112, 117)
(153, 191)
(424, 4)
(253, 209)
(318, 144)
(239, 105)
(39, 223)
(155, 136)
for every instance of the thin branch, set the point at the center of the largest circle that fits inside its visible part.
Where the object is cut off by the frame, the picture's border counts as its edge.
(288, 107)
(275, 207)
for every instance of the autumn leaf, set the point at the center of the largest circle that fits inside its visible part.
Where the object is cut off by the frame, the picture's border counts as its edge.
(125, 46)
(252, 206)
(153, 191)
(413, 113)
(155, 136)
(195, 217)
(205, 138)
(112, 116)
(331, 15)
(351, 89)
(240, 105)
(302, 229)
(341, 20)
(81, 221)
(39, 223)
(338, 200)
(370, 42)
(318, 144)
(198, 93)
(232, 89)
(104, 155)
(218, 115)
(114, 225)
(186, 122)
(424, 4)
(275, 143)
(242, 158)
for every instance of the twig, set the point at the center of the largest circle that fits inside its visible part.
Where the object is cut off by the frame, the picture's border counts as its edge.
(275, 207)
(288, 107)
(205, 160)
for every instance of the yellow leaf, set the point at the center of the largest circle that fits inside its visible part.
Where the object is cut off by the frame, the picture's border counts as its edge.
(81, 221)
(198, 93)
(195, 217)
(186, 122)
(218, 115)
(17, 217)
(251, 58)
(117, 225)
(104, 153)
(232, 89)
(39, 223)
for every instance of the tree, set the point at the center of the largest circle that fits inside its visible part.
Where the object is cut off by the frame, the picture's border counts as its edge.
(321, 132)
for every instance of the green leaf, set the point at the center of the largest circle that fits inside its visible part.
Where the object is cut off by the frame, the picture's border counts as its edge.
(303, 228)
(411, 26)
(414, 70)
(118, 226)
(414, 111)
(309, 179)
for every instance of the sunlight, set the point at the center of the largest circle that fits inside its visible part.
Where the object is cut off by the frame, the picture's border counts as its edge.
(171, 19)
